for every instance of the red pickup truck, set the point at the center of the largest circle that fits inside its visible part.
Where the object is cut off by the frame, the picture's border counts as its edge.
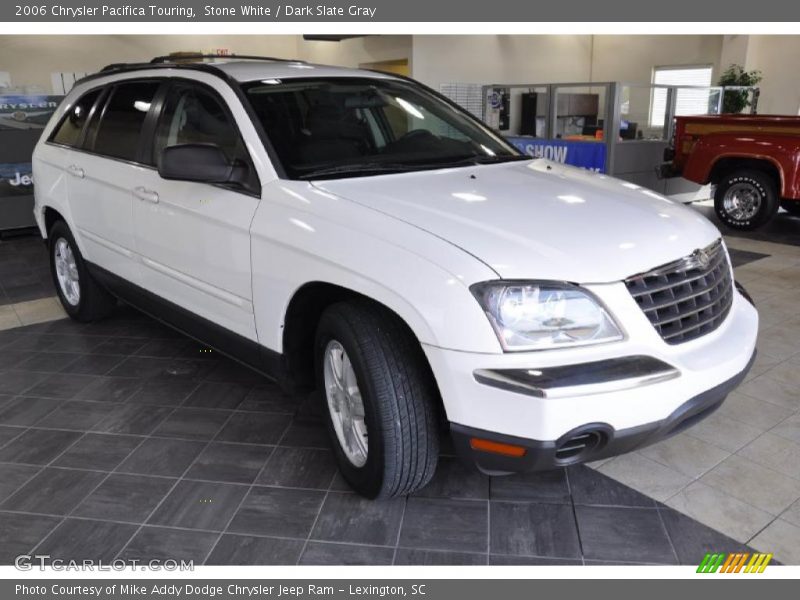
(752, 160)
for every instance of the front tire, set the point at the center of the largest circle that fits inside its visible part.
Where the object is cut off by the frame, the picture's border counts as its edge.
(81, 296)
(379, 399)
(791, 206)
(746, 199)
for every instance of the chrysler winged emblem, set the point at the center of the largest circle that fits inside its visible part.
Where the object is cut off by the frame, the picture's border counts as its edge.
(700, 258)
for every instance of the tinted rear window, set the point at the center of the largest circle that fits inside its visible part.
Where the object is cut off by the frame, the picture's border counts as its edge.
(123, 119)
(69, 131)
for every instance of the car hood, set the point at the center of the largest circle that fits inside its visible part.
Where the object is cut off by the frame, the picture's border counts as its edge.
(538, 219)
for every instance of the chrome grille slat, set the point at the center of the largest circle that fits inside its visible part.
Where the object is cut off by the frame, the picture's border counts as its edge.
(683, 299)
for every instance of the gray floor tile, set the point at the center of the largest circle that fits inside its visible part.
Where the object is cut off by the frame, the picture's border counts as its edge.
(227, 371)
(414, 556)
(82, 539)
(13, 476)
(456, 479)
(533, 529)
(162, 348)
(128, 498)
(158, 543)
(306, 434)
(692, 540)
(299, 467)
(8, 433)
(624, 534)
(323, 553)
(269, 398)
(254, 428)
(278, 512)
(15, 382)
(593, 488)
(163, 393)
(351, 518)
(199, 505)
(249, 550)
(543, 486)
(132, 419)
(121, 346)
(98, 451)
(53, 491)
(20, 533)
(192, 423)
(111, 389)
(439, 524)
(92, 364)
(49, 362)
(25, 412)
(76, 415)
(62, 386)
(542, 561)
(218, 395)
(38, 446)
(234, 463)
(165, 457)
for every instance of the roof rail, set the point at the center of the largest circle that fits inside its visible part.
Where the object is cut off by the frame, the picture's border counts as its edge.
(189, 56)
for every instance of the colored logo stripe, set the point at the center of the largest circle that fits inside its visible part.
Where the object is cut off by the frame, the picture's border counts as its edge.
(734, 562)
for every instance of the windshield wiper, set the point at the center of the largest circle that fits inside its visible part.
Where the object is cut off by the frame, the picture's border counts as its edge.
(360, 168)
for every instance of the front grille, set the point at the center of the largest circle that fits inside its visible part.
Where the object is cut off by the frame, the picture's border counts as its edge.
(688, 298)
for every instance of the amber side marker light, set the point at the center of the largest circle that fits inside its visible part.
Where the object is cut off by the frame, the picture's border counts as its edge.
(496, 447)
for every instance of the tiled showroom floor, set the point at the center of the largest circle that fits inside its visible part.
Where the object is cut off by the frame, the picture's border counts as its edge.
(124, 439)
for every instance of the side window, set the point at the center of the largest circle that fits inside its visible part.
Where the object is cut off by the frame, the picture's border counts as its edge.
(69, 131)
(193, 115)
(123, 118)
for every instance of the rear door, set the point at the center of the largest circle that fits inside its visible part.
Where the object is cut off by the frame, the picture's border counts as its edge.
(194, 238)
(104, 175)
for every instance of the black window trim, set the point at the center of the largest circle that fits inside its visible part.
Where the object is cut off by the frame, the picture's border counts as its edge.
(151, 122)
(84, 128)
(157, 115)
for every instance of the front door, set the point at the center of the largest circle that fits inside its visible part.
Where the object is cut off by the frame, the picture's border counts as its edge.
(194, 238)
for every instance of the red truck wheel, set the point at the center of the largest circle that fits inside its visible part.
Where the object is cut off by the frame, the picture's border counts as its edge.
(746, 199)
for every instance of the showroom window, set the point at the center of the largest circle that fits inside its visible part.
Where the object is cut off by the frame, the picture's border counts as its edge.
(70, 129)
(689, 102)
(123, 118)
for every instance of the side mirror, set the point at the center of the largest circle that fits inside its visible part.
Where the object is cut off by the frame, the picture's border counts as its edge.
(204, 163)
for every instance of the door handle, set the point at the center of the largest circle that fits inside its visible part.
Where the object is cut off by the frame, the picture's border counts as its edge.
(76, 171)
(144, 194)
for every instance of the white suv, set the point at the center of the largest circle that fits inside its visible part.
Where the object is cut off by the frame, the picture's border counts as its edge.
(357, 233)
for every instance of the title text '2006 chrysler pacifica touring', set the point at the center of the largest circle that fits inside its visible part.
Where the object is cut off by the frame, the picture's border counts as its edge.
(357, 234)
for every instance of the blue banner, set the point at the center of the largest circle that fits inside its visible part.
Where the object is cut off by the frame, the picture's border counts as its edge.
(588, 155)
(16, 179)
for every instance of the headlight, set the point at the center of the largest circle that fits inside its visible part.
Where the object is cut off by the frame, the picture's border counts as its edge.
(541, 315)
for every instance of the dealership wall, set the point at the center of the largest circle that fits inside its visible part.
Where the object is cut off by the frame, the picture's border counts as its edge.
(440, 58)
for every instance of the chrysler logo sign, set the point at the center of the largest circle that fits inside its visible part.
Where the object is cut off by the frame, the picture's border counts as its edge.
(699, 259)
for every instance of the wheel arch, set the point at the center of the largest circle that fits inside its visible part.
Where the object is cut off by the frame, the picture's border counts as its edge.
(300, 322)
(725, 164)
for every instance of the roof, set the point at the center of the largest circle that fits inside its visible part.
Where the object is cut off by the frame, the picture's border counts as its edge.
(253, 70)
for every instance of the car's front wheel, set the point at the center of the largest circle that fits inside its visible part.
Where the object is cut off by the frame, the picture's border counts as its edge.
(746, 199)
(379, 399)
(81, 296)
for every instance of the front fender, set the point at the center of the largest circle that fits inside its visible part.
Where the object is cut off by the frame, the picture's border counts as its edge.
(301, 235)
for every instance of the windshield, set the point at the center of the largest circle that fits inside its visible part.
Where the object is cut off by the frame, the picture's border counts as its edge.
(350, 127)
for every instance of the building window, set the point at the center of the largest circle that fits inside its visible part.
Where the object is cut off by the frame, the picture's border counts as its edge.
(689, 102)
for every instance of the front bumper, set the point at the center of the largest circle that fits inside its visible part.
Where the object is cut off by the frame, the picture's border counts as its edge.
(592, 441)
(680, 384)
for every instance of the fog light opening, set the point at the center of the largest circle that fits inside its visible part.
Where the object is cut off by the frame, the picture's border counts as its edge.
(579, 446)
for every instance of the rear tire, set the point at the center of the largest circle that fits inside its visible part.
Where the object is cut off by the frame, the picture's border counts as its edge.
(81, 296)
(395, 396)
(746, 199)
(791, 206)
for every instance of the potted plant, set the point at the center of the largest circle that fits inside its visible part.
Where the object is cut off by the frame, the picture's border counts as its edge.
(735, 101)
